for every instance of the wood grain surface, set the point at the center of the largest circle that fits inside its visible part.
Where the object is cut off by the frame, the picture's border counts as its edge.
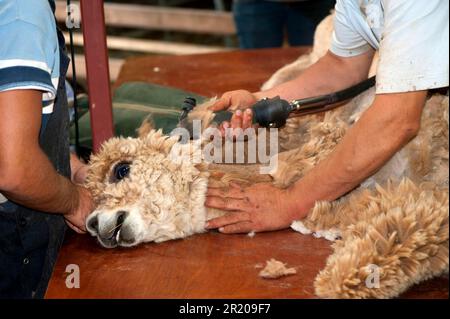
(210, 74)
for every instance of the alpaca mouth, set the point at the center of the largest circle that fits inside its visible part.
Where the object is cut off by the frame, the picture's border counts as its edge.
(107, 244)
(113, 240)
(110, 242)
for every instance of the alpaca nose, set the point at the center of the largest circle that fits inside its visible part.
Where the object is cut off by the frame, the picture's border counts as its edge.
(127, 235)
(92, 223)
(121, 215)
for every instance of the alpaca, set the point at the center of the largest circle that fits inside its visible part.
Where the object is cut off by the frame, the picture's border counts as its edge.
(395, 225)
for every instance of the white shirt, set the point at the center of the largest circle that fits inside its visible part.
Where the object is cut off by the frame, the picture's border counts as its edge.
(411, 36)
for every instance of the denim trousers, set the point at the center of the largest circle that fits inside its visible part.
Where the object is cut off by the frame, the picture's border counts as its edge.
(266, 24)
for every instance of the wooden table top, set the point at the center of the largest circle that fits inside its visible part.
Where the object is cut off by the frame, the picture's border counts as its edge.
(209, 265)
(210, 74)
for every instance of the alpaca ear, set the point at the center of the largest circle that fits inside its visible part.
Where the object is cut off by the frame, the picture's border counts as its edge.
(146, 127)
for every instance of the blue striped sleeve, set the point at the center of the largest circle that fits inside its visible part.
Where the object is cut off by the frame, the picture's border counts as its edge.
(28, 58)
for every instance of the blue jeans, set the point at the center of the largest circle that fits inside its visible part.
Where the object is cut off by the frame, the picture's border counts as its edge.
(263, 24)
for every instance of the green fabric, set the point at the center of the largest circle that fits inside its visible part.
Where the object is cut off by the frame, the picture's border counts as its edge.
(132, 103)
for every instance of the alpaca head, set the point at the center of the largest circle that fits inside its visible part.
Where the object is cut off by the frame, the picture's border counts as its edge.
(145, 191)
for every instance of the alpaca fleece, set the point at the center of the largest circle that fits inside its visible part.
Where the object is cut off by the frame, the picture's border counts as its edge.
(275, 269)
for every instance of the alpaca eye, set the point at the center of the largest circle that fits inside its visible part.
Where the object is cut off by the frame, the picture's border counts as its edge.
(121, 171)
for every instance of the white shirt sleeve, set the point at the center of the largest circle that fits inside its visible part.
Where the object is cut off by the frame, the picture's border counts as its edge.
(414, 48)
(346, 41)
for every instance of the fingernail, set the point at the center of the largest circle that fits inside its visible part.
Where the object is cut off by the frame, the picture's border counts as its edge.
(238, 112)
(226, 125)
(207, 225)
(221, 229)
(248, 111)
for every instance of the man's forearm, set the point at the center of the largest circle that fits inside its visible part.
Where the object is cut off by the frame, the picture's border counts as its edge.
(329, 74)
(42, 189)
(26, 174)
(387, 126)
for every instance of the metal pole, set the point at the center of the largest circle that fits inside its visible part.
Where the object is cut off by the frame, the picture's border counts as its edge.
(97, 67)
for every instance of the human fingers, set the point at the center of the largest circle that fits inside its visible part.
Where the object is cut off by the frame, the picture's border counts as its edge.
(247, 119)
(236, 125)
(223, 128)
(222, 104)
(238, 228)
(227, 203)
(235, 192)
(76, 223)
(236, 120)
(228, 219)
(75, 228)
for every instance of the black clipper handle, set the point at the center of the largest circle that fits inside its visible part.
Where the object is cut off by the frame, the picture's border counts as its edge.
(272, 113)
(269, 113)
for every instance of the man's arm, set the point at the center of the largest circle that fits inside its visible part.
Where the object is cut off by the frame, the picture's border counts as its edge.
(390, 123)
(330, 74)
(26, 175)
(78, 170)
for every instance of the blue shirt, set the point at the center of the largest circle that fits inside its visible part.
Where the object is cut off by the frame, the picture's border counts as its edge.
(29, 50)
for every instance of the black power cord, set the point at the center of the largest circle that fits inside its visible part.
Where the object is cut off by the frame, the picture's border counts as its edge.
(274, 112)
(74, 84)
(322, 101)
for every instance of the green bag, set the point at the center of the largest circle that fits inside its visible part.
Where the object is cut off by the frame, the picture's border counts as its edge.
(132, 103)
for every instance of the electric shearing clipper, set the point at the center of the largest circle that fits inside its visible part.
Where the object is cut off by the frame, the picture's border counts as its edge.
(274, 112)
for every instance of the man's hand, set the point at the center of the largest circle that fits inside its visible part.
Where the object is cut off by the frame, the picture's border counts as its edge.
(330, 74)
(234, 100)
(240, 121)
(76, 218)
(261, 207)
(78, 170)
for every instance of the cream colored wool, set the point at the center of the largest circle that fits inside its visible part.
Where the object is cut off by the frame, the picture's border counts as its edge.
(402, 229)
(397, 220)
(165, 198)
(275, 269)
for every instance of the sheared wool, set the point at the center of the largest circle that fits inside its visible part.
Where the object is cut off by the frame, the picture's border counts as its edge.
(275, 269)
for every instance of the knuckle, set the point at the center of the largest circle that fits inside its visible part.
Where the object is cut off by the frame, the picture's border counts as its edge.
(232, 229)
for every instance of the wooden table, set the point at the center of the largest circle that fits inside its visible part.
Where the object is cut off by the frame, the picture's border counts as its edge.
(210, 265)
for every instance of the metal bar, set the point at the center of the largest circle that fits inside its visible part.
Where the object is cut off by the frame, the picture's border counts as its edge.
(97, 68)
